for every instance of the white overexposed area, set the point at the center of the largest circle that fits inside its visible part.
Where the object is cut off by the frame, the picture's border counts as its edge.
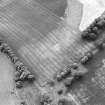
(91, 10)
(80, 13)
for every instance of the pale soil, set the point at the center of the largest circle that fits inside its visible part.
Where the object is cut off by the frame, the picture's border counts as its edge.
(6, 81)
(91, 10)
(73, 13)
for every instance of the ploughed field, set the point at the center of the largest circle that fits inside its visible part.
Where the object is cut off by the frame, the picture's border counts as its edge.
(46, 44)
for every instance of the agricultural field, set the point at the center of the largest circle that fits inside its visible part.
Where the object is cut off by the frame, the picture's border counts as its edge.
(45, 37)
